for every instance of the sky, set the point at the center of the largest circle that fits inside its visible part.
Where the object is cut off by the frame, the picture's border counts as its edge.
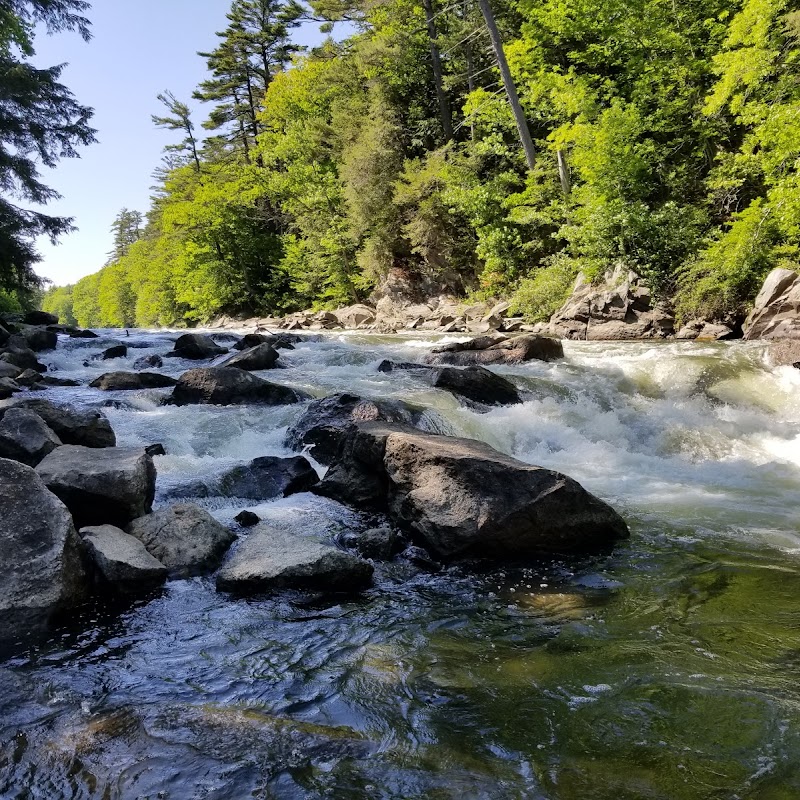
(139, 48)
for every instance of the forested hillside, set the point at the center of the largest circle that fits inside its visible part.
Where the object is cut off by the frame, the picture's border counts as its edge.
(665, 135)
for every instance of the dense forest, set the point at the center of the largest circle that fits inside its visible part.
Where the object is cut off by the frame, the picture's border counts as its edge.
(660, 134)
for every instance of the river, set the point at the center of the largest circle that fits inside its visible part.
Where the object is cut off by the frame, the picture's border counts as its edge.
(667, 669)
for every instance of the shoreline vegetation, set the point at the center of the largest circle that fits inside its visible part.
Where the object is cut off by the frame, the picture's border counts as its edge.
(390, 163)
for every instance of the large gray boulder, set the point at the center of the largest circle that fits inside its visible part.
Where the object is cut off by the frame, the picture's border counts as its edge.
(273, 558)
(128, 381)
(39, 339)
(9, 370)
(110, 485)
(42, 570)
(20, 355)
(148, 362)
(25, 437)
(262, 356)
(619, 307)
(776, 311)
(184, 538)
(71, 425)
(267, 477)
(40, 318)
(121, 562)
(464, 498)
(355, 316)
(485, 350)
(324, 424)
(278, 341)
(225, 386)
(196, 346)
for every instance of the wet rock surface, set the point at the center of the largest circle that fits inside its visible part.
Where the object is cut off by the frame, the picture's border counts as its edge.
(130, 381)
(72, 425)
(196, 346)
(262, 356)
(489, 350)
(267, 477)
(25, 437)
(230, 386)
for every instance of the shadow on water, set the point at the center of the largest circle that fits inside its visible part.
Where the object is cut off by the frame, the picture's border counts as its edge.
(667, 669)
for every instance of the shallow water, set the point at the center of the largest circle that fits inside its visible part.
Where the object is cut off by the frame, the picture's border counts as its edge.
(668, 669)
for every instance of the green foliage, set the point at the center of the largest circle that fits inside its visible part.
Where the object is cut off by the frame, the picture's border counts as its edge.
(538, 297)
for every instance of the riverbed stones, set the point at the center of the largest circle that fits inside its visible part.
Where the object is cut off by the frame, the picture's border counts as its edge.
(262, 356)
(776, 311)
(9, 370)
(120, 561)
(272, 558)
(464, 498)
(247, 519)
(128, 381)
(196, 346)
(39, 339)
(482, 351)
(325, 422)
(268, 477)
(149, 362)
(115, 351)
(183, 537)
(73, 426)
(8, 387)
(42, 570)
(20, 355)
(25, 437)
(112, 485)
(225, 386)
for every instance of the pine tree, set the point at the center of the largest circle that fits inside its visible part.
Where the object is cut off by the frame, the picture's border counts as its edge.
(127, 229)
(40, 123)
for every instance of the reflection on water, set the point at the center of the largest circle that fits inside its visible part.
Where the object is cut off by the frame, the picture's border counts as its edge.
(666, 670)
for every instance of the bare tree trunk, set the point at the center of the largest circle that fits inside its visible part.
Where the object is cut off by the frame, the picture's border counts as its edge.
(508, 82)
(470, 84)
(563, 173)
(445, 115)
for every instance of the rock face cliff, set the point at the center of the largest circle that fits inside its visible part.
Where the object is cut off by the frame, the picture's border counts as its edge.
(776, 313)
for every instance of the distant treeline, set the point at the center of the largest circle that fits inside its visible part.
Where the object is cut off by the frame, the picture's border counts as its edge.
(665, 136)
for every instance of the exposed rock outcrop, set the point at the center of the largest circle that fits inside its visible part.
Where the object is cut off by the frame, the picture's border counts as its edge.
(268, 477)
(272, 558)
(129, 381)
(120, 561)
(110, 485)
(776, 312)
(25, 437)
(225, 386)
(72, 426)
(485, 350)
(621, 307)
(184, 538)
(196, 346)
(116, 351)
(148, 362)
(262, 356)
(462, 497)
(42, 567)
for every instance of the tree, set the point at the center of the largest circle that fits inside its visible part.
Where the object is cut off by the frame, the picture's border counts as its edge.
(40, 123)
(127, 229)
(180, 119)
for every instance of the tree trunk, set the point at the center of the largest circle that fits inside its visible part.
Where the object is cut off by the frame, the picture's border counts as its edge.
(508, 83)
(563, 173)
(445, 115)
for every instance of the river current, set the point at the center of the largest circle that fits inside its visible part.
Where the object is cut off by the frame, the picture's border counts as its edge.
(667, 669)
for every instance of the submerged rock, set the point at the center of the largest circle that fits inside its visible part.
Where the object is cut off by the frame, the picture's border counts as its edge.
(324, 424)
(230, 386)
(42, 568)
(271, 558)
(111, 485)
(86, 428)
(148, 362)
(462, 497)
(117, 351)
(262, 356)
(268, 477)
(196, 346)
(184, 538)
(378, 543)
(25, 437)
(247, 519)
(121, 561)
(507, 351)
(128, 381)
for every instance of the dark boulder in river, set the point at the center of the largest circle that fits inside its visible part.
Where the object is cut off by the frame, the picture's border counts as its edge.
(148, 362)
(73, 426)
(484, 350)
(40, 318)
(126, 381)
(25, 437)
(267, 477)
(262, 356)
(42, 568)
(278, 341)
(39, 338)
(464, 498)
(184, 538)
(120, 561)
(112, 485)
(20, 355)
(225, 386)
(272, 558)
(325, 423)
(196, 346)
(117, 351)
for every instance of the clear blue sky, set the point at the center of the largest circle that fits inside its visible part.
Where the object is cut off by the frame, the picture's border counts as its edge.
(140, 48)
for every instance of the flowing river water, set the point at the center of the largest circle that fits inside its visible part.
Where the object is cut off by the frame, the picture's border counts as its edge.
(667, 669)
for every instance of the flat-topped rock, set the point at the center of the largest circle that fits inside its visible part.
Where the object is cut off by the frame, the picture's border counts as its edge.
(25, 437)
(262, 356)
(121, 562)
(272, 558)
(482, 351)
(42, 570)
(463, 497)
(230, 386)
(184, 538)
(71, 425)
(111, 485)
(129, 381)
